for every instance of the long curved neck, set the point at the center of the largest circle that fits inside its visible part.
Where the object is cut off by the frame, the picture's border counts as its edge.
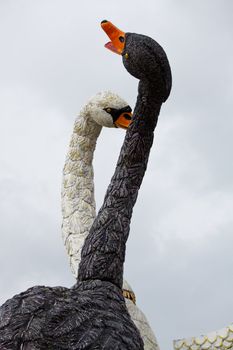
(78, 203)
(103, 252)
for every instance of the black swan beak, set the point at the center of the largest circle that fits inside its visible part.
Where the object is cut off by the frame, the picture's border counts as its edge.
(116, 36)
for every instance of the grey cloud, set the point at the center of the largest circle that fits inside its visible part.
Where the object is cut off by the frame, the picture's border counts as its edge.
(52, 61)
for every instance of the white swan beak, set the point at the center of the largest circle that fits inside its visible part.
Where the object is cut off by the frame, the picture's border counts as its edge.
(124, 120)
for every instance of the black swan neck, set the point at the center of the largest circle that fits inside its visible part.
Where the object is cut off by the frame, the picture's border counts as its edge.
(103, 253)
(147, 107)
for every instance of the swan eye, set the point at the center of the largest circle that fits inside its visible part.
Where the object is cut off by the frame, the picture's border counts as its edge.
(126, 55)
(108, 110)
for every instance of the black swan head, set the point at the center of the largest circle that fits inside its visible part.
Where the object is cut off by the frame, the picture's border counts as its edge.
(143, 58)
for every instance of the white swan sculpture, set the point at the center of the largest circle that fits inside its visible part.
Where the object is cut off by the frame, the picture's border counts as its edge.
(78, 202)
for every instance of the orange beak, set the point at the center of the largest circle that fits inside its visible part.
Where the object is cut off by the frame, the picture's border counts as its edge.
(124, 120)
(116, 36)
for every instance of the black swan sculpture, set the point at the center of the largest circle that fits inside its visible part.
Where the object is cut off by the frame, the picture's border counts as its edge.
(93, 314)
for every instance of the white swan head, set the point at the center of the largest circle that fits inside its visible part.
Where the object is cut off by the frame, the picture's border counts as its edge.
(108, 109)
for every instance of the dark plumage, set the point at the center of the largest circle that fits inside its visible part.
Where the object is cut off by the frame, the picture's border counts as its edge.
(92, 314)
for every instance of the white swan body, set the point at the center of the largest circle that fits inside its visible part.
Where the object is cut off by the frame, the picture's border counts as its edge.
(218, 340)
(78, 202)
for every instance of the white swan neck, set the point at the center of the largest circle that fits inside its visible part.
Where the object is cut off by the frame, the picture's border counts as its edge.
(78, 202)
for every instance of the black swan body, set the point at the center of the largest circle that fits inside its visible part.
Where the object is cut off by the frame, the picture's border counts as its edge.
(92, 314)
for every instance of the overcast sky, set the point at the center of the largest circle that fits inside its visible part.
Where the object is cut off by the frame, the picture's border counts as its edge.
(179, 254)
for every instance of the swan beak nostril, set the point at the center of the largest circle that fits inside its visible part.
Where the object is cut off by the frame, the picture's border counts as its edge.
(116, 36)
(128, 116)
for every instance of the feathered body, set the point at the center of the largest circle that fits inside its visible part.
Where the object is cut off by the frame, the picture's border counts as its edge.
(91, 315)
